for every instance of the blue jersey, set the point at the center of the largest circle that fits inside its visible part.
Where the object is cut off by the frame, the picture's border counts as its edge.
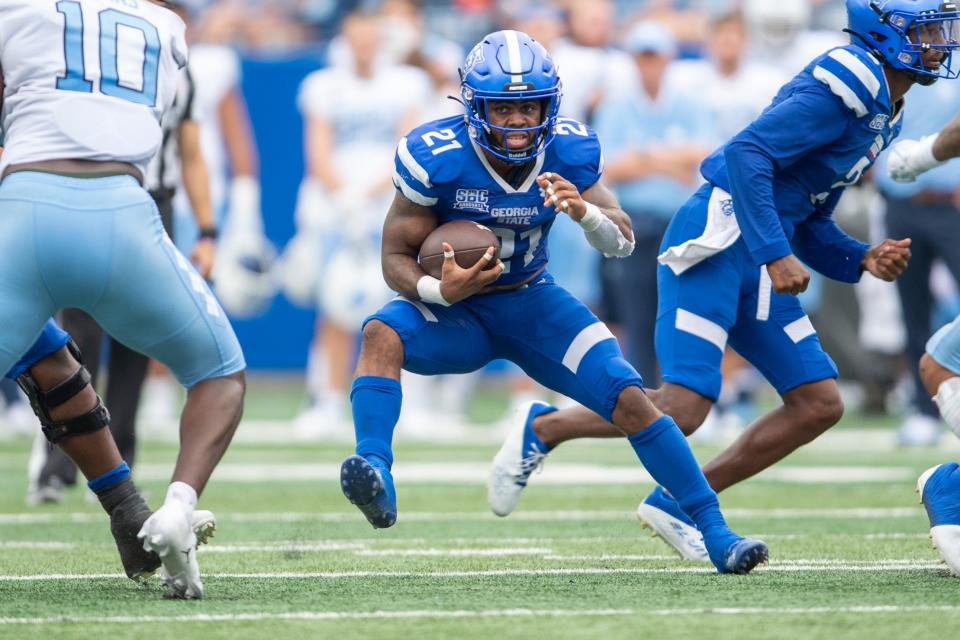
(788, 168)
(439, 166)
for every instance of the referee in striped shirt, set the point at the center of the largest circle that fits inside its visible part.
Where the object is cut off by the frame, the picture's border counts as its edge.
(179, 158)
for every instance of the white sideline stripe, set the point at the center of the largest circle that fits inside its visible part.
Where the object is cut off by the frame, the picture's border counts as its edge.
(414, 167)
(702, 328)
(587, 339)
(914, 565)
(800, 329)
(442, 516)
(513, 55)
(495, 613)
(841, 90)
(860, 70)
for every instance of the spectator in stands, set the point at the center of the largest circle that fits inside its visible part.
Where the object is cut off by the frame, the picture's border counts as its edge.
(732, 86)
(592, 67)
(654, 139)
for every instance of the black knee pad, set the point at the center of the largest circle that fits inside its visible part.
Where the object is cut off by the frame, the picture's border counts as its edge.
(43, 401)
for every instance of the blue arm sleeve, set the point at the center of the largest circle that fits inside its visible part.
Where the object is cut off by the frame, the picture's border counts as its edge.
(825, 247)
(781, 136)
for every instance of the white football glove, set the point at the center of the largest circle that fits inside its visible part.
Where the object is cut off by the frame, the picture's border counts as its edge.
(910, 158)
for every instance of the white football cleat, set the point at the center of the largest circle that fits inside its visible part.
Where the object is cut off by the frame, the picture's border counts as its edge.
(661, 513)
(169, 533)
(521, 454)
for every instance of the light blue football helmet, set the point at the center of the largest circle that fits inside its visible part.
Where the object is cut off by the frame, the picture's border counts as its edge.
(510, 65)
(899, 32)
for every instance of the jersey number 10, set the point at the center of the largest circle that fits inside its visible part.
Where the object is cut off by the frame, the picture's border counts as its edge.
(74, 78)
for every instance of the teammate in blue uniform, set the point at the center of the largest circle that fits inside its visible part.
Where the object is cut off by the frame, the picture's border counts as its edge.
(510, 164)
(733, 257)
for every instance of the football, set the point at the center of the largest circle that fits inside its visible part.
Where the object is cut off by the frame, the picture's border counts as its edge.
(468, 239)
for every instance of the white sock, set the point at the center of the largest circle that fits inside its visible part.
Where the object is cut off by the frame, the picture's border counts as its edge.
(182, 493)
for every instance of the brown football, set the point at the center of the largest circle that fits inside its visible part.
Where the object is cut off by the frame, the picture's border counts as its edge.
(468, 239)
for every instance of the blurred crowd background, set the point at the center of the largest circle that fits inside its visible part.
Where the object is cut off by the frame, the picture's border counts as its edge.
(301, 103)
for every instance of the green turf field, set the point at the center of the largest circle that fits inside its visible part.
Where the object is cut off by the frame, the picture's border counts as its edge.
(849, 553)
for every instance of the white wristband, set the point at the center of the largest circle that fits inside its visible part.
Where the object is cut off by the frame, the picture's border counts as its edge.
(593, 218)
(428, 288)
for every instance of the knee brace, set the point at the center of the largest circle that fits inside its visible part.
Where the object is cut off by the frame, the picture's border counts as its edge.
(43, 401)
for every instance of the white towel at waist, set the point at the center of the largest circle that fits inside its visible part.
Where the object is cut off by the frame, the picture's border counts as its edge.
(720, 232)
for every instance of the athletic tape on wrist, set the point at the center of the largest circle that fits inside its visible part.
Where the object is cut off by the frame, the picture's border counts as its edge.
(592, 219)
(428, 288)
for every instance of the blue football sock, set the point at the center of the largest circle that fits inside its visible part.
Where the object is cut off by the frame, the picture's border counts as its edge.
(663, 450)
(376, 409)
(110, 479)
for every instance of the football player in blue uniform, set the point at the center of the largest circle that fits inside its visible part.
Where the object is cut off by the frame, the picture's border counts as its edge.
(733, 258)
(939, 486)
(512, 165)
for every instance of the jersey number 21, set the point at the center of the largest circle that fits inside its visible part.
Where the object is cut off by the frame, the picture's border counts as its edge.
(110, 20)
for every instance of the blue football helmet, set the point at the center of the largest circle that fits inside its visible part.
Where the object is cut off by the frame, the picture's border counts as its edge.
(510, 65)
(899, 32)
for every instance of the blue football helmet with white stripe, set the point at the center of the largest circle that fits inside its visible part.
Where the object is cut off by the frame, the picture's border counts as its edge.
(899, 32)
(510, 65)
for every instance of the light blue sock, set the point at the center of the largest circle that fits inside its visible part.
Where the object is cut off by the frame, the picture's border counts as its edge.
(376, 409)
(663, 450)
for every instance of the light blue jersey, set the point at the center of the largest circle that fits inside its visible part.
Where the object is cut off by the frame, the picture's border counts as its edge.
(438, 166)
(96, 243)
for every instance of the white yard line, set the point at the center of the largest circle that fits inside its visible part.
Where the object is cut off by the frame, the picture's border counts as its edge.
(813, 566)
(449, 516)
(555, 474)
(454, 553)
(495, 613)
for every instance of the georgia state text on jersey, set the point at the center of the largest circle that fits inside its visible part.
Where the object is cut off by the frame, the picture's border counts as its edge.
(439, 166)
(68, 64)
(824, 129)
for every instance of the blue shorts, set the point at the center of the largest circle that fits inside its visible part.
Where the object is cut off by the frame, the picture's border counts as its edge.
(727, 299)
(542, 328)
(944, 346)
(97, 244)
(51, 340)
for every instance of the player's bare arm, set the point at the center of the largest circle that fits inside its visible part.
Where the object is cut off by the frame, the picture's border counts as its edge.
(947, 143)
(606, 225)
(320, 143)
(406, 227)
(196, 181)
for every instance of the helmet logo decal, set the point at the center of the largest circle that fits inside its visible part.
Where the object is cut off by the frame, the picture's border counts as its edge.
(474, 58)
